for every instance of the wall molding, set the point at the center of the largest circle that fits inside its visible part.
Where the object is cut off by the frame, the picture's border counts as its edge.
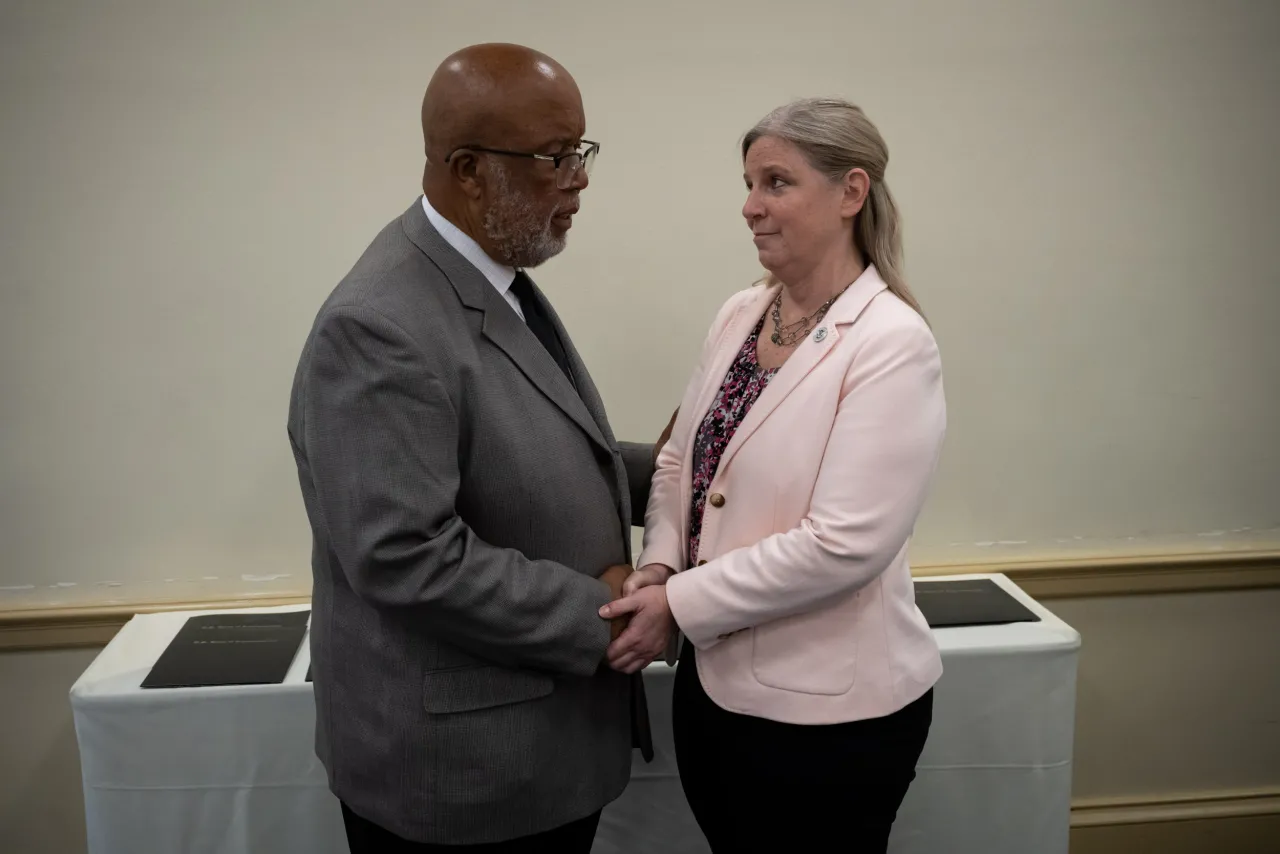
(87, 626)
(1129, 575)
(1112, 575)
(1198, 806)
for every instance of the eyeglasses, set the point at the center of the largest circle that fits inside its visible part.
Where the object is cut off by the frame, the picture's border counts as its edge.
(566, 165)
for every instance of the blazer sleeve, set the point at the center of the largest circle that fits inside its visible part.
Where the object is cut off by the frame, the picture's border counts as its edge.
(381, 437)
(663, 521)
(880, 458)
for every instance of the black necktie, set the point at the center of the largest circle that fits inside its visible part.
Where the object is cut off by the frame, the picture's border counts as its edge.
(539, 323)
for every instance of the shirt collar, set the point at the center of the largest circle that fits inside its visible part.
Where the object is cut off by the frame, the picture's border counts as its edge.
(499, 275)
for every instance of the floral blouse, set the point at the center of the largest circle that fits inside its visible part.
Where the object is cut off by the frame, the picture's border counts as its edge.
(741, 388)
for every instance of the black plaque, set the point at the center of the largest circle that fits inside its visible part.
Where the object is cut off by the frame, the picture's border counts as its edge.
(969, 602)
(230, 649)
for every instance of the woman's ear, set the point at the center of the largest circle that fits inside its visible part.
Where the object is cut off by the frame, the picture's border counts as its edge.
(856, 186)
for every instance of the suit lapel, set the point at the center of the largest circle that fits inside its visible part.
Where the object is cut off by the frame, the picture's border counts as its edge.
(502, 326)
(587, 392)
(807, 356)
(509, 333)
(590, 397)
(736, 332)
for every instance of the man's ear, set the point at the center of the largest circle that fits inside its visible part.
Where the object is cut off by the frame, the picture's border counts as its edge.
(856, 187)
(467, 169)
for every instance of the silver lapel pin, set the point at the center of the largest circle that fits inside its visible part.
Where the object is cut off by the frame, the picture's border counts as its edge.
(820, 335)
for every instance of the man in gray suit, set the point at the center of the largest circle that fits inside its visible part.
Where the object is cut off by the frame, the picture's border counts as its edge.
(471, 509)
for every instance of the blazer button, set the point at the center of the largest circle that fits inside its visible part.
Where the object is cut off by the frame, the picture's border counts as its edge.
(716, 499)
(702, 563)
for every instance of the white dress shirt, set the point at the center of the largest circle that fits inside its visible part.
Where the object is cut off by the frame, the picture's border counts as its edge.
(500, 275)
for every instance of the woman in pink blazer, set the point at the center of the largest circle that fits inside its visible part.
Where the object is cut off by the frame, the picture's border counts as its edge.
(777, 527)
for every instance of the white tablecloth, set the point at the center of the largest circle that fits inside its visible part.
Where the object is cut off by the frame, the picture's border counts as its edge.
(233, 770)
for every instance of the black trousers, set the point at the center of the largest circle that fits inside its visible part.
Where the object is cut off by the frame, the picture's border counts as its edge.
(365, 837)
(756, 785)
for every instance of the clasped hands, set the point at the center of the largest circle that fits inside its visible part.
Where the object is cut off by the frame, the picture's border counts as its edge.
(639, 616)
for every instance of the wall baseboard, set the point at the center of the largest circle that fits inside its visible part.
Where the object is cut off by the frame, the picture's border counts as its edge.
(1232, 822)
(58, 628)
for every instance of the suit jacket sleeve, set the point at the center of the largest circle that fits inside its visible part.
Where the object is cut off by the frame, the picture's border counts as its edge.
(638, 461)
(881, 454)
(381, 435)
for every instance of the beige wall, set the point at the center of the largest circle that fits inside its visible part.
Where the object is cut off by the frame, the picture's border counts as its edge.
(1176, 718)
(41, 809)
(1177, 694)
(1088, 189)
(1252, 834)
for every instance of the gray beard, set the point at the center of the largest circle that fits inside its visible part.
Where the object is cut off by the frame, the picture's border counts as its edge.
(522, 236)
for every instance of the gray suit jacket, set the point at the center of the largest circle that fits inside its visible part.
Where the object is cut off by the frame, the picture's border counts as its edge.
(464, 497)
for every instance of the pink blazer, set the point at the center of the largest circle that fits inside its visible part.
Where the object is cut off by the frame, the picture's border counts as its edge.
(802, 607)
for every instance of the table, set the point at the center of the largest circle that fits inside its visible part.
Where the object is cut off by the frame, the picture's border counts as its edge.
(232, 769)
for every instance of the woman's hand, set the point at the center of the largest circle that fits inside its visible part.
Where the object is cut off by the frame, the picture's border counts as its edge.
(646, 576)
(648, 631)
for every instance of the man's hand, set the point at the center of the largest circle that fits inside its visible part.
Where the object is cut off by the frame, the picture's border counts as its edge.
(664, 436)
(647, 632)
(616, 577)
(647, 576)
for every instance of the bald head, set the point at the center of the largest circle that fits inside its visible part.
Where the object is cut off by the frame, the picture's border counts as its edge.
(494, 119)
(490, 94)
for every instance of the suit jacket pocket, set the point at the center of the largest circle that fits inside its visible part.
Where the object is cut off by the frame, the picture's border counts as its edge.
(813, 653)
(467, 689)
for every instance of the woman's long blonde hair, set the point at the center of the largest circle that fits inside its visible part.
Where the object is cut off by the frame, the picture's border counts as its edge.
(835, 136)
